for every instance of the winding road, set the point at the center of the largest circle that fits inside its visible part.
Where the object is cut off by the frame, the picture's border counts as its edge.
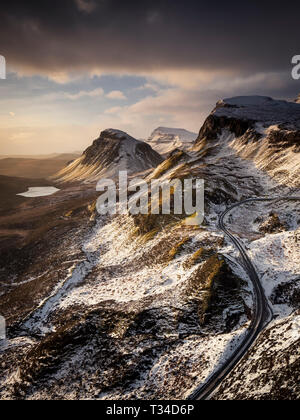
(262, 316)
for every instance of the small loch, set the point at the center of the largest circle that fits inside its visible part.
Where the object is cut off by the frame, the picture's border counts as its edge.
(39, 192)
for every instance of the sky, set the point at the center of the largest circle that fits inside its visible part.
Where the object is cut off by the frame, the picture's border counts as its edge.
(77, 67)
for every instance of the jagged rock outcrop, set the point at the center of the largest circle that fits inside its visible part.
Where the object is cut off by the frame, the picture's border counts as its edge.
(112, 152)
(272, 225)
(259, 129)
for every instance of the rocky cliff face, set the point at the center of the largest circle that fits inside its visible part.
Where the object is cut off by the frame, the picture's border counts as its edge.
(260, 129)
(112, 152)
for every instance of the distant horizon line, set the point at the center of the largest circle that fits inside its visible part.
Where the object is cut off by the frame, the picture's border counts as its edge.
(40, 154)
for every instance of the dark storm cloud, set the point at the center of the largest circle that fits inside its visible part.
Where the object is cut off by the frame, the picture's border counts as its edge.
(70, 35)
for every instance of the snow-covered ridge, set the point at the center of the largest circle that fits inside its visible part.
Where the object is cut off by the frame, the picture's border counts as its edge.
(263, 130)
(122, 135)
(166, 139)
(260, 109)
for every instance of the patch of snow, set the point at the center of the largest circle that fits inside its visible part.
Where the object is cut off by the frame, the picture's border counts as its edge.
(38, 320)
(277, 258)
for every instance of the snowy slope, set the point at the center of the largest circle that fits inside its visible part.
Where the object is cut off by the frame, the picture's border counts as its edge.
(125, 319)
(260, 109)
(112, 152)
(270, 371)
(264, 131)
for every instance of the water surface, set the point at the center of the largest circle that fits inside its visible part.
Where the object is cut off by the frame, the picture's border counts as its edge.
(39, 191)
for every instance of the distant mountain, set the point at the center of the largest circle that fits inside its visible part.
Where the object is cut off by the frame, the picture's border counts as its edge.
(164, 139)
(112, 152)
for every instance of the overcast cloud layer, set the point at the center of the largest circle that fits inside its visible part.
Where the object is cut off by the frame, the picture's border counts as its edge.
(141, 35)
